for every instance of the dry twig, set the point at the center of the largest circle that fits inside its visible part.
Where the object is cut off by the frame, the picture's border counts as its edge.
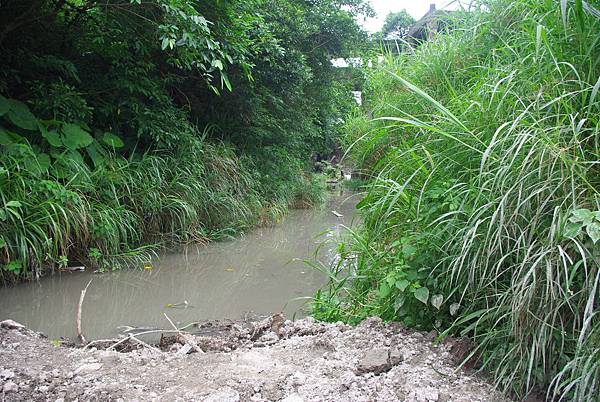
(79, 331)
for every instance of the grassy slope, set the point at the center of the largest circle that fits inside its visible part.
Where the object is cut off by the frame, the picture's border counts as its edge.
(483, 217)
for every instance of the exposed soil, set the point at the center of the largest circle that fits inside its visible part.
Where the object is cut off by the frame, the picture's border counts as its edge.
(273, 360)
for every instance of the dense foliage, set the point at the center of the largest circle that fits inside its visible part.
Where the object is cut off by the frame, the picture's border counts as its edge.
(125, 123)
(483, 215)
(397, 22)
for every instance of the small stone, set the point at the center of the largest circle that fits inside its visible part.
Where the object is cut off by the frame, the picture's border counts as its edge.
(10, 324)
(396, 356)
(88, 368)
(109, 358)
(429, 394)
(10, 386)
(374, 361)
(293, 398)
(6, 374)
(298, 378)
(225, 394)
(443, 397)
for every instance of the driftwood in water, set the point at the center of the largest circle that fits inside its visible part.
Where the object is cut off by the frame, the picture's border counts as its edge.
(79, 308)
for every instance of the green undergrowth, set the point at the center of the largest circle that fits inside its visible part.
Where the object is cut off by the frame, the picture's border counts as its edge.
(483, 217)
(127, 126)
(68, 197)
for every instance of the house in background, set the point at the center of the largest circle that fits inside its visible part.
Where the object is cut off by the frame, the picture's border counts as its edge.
(423, 30)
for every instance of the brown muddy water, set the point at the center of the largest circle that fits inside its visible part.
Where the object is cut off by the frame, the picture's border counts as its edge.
(259, 273)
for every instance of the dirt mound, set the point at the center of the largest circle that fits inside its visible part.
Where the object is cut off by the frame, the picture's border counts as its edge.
(267, 361)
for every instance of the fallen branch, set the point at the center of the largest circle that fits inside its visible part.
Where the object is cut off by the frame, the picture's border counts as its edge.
(187, 338)
(145, 344)
(79, 331)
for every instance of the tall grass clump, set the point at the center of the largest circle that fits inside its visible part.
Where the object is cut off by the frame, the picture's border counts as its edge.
(63, 210)
(483, 219)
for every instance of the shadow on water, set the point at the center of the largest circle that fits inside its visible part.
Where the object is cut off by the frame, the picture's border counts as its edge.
(260, 273)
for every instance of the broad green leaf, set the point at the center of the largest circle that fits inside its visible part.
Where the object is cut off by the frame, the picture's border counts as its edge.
(593, 230)
(572, 229)
(409, 251)
(225, 80)
(5, 137)
(422, 294)
(13, 204)
(51, 136)
(384, 290)
(20, 116)
(75, 137)
(412, 275)
(113, 140)
(582, 215)
(4, 105)
(39, 164)
(217, 63)
(96, 153)
(402, 285)
(454, 308)
(399, 302)
(437, 300)
(14, 266)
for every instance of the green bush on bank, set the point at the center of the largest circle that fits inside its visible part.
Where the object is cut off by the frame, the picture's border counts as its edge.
(125, 124)
(67, 196)
(483, 219)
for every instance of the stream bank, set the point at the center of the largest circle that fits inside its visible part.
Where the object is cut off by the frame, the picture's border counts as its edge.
(288, 361)
(254, 275)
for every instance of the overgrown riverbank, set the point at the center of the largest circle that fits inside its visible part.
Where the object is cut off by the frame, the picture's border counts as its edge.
(125, 124)
(483, 214)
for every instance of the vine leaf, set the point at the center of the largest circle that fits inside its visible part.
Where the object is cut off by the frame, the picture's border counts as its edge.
(437, 300)
(422, 294)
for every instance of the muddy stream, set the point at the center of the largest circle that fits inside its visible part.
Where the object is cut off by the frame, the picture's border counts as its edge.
(258, 273)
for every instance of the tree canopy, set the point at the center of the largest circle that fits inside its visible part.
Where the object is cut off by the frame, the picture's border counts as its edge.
(397, 22)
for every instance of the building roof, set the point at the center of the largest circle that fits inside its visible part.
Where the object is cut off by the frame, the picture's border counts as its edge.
(419, 29)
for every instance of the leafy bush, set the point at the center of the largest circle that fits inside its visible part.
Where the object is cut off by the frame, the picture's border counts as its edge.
(65, 194)
(482, 218)
(130, 123)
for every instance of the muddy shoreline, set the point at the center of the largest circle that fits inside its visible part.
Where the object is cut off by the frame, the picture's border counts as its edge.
(270, 360)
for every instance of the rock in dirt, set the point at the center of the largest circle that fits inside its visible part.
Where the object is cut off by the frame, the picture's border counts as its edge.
(88, 368)
(9, 387)
(293, 398)
(379, 360)
(10, 324)
(374, 361)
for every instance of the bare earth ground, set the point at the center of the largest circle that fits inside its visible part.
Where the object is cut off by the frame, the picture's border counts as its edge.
(274, 360)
